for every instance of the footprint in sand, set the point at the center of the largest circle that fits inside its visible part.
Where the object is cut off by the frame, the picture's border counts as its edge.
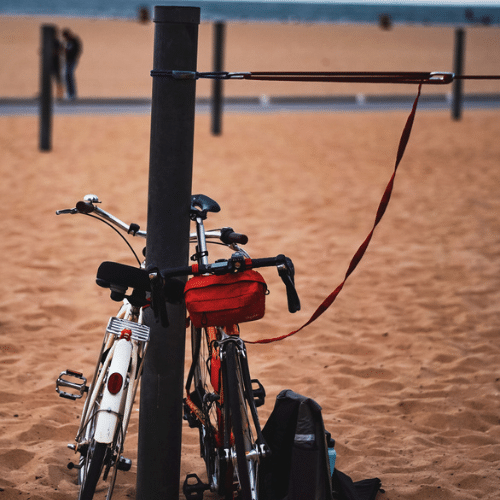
(15, 459)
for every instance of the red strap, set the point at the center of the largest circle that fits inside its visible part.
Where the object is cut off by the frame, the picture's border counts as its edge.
(362, 249)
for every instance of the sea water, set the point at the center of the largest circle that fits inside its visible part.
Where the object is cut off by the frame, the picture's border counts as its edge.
(485, 12)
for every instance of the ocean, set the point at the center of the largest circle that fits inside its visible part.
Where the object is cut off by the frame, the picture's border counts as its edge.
(364, 11)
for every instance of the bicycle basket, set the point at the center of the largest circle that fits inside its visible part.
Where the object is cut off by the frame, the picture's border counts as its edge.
(225, 300)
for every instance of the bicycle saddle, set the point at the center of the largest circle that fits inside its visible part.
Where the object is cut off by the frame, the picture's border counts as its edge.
(201, 205)
(119, 277)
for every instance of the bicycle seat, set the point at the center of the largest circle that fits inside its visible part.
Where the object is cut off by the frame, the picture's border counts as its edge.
(116, 275)
(119, 277)
(201, 205)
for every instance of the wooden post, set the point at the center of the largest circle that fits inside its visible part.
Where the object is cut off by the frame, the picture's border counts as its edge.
(456, 111)
(167, 245)
(217, 97)
(47, 52)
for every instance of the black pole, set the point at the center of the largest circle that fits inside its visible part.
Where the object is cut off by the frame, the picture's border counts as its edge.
(46, 52)
(169, 196)
(456, 112)
(219, 30)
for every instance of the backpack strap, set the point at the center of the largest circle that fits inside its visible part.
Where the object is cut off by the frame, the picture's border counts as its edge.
(345, 489)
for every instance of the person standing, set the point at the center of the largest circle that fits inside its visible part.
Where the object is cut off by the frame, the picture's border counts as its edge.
(72, 52)
(56, 65)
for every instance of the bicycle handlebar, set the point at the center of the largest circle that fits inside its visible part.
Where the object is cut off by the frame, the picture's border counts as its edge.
(119, 277)
(162, 283)
(87, 207)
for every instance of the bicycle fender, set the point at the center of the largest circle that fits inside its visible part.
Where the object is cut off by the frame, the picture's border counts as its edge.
(111, 405)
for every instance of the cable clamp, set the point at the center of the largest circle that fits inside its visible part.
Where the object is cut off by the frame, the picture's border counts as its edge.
(441, 76)
(133, 229)
(176, 75)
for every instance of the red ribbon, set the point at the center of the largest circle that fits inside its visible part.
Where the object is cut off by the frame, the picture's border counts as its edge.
(405, 136)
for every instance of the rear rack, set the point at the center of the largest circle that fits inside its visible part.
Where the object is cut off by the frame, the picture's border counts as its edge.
(117, 325)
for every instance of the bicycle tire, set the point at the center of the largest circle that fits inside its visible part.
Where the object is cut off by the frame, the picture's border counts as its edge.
(219, 475)
(82, 470)
(98, 457)
(94, 465)
(237, 400)
(88, 421)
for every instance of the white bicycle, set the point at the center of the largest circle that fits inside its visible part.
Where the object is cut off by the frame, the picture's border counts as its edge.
(110, 396)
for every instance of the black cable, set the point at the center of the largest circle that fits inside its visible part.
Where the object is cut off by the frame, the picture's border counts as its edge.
(119, 234)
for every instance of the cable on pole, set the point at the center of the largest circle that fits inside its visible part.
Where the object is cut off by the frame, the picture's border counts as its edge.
(406, 77)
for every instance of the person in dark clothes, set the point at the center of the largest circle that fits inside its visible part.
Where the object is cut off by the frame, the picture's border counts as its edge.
(72, 52)
(56, 66)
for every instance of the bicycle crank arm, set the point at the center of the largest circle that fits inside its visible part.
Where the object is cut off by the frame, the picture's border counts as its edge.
(79, 385)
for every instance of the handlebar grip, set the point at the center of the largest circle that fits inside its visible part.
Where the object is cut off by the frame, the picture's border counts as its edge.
(287, 274)
(84, 207)
(228, 236)
(293, 298)
(264, 262)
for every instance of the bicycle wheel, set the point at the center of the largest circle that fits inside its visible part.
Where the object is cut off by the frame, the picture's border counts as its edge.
(238, 402)
(97, 459)
(219, 475)
(93, 465)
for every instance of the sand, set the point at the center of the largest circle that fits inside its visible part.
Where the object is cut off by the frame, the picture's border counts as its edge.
(404, 364)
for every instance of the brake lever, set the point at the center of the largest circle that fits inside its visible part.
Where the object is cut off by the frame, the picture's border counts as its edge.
(67, 211)
(82, 207)
(158, 302)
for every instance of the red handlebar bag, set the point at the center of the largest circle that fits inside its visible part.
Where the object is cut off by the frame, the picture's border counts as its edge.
(225, 300)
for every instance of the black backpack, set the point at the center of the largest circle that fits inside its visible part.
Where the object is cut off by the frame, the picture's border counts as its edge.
(298, 467)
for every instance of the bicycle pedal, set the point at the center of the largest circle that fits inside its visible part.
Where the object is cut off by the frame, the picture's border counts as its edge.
(190, 417)
(259, 393)
(75, 381)
(192, 421)
(124, 464)
(194, 491)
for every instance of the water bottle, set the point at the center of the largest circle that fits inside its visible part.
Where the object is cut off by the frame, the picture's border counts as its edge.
(332, 454)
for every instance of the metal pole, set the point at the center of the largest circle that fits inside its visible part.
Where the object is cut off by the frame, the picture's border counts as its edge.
(167, 245)
(47, 51)
(458, 70)
(219, 30)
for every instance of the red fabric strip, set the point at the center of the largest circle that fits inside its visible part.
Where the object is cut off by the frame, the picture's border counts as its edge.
(362, 249)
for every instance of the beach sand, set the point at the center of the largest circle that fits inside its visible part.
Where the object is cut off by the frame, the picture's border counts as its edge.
(404, 364)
